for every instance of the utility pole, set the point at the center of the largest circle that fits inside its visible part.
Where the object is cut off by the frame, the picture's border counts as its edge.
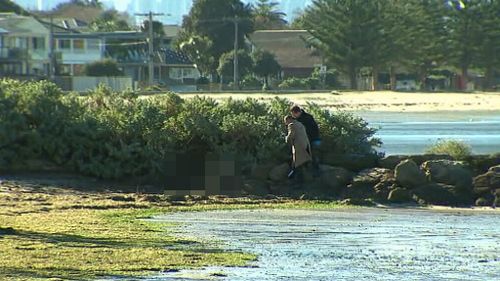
(235, 60)
(51, 48)
(150, 45)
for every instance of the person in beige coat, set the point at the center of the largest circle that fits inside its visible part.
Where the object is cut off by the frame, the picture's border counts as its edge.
(298, 140)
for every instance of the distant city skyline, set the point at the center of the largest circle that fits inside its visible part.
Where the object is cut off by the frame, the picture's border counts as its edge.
(176, 9)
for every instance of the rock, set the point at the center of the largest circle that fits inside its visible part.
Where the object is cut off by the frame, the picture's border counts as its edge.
(363, 183)
(448, 172)
(483, 180)
(279, 173)
(496, 203)
(485, 201)
(335, 178)
(383, 188)
(351, 162)
(441, 194)
(7, 231)
(261, 171)
(256, 187)
(357, 202)
(390, 162)
(408, 174)
(495, 169)
(399, 195)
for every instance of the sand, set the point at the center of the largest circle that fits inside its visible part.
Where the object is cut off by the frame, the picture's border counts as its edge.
(382, 100)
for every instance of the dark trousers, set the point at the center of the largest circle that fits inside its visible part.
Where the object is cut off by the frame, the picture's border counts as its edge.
(315, 145)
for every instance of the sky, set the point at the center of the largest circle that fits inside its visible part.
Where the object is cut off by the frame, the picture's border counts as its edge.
(176, 8)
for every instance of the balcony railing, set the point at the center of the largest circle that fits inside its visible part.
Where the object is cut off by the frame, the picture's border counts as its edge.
(13, 54)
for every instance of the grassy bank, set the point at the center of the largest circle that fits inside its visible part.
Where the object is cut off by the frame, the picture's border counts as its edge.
(52, 232)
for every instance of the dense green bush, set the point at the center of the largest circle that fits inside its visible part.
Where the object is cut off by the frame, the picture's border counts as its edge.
(310, 83)
(456, 149)
(113, 135)
(250, 82)
(103, 68)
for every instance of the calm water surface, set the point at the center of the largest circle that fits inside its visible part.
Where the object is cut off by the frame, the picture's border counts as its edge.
(412, 133)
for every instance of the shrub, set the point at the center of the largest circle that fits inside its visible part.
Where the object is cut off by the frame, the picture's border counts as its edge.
(293, 83)
(103, 68)
(250, 82)
(114, 135)
(456, 149)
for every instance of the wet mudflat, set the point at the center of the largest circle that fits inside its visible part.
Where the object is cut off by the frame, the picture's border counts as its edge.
(349, 244)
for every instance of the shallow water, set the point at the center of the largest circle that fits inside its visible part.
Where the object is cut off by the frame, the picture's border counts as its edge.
(349, 244)
(413, 132)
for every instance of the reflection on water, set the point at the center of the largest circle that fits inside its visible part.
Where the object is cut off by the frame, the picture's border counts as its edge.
(412, 133)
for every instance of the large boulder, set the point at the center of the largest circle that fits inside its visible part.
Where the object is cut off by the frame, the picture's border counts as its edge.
(399, 195)
(409, 175)
(279, 173)
(363, 183)
(335, 178)
(256, 187)
(352, 162)
(441, 194)
(448, 172)
(261, 171)
(391, 161)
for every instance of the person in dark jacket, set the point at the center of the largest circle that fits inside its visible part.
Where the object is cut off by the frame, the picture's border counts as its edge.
(312, 130)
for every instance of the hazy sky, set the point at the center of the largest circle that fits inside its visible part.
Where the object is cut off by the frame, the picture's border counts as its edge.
(177, 8)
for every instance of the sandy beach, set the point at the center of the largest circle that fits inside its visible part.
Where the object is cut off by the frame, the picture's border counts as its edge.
(382, 100)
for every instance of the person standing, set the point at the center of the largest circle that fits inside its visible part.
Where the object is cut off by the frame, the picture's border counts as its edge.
(301, 148)
(312, 130)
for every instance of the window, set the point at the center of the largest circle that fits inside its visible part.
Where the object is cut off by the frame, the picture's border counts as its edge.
(78, 45)
(38, 43)
(64, 44)
(92, 44)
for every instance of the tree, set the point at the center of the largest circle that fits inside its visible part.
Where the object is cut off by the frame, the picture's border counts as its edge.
(213, 19)
(265, 64)
(110, 21)
(197, 50)
(299, 18)
(158, 32)
(343, 31)
(489, 41)
(464, 28)
(7, 6)
(415, 36)
(103, 68)
(266, 16)
(226, 66)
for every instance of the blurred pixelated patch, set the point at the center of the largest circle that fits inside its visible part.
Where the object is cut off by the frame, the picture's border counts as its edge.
(193, 173)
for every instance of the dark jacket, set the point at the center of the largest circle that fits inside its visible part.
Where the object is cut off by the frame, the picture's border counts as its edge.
(312, 128)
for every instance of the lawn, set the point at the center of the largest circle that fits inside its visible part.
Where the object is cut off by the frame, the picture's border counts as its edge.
(62, 233)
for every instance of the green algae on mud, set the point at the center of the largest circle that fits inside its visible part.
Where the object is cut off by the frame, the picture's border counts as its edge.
(58, 233)
(53, 232)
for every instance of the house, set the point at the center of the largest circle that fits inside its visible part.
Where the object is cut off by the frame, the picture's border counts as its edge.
(170, 67)
(296, 57)
(75, 50)
(24, 46)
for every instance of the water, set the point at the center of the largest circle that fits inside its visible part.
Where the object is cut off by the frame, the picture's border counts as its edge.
(412, 133)
(349, 244)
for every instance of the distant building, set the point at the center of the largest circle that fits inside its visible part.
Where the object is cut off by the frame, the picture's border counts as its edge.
(296, 57)
(24, 46)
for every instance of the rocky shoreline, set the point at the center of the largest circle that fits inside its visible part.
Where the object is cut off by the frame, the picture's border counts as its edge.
(419, 179)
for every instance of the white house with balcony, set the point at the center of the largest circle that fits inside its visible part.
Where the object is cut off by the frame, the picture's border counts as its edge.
(24, 46)
(75, 50)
